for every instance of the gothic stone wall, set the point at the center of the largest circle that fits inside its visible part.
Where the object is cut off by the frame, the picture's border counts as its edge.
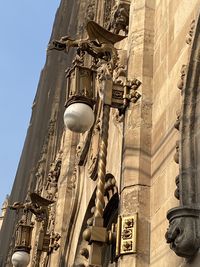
(172, 23)
(141, 149)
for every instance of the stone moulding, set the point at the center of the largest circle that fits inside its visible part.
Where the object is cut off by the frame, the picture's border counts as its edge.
(183, 233)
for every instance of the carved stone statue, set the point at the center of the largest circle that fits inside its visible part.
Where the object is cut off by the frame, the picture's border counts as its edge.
(40, 175)
(53, 176)
(120, 18)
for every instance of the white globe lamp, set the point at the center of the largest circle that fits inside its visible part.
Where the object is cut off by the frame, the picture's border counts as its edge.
(20, 259)
(78, 117)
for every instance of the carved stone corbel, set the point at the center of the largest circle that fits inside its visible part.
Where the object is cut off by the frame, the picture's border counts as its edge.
(183, 233)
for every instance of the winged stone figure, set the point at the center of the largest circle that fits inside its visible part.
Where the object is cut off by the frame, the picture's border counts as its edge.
(38, 206)
(99, 44)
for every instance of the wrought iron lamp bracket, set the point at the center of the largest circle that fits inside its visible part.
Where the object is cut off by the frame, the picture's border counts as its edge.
(37, 206)
(115, 91)
(23, 233)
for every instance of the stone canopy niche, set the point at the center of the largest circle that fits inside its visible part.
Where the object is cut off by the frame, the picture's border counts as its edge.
(183, 233)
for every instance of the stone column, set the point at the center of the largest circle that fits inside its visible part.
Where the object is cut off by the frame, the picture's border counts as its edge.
(136, 167)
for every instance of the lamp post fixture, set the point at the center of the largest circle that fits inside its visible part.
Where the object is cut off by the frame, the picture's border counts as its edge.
(79, 116)
(21, 256)
(83, 83)
(39, 207)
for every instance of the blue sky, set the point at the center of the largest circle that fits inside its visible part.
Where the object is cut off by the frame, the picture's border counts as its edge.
(25, 29)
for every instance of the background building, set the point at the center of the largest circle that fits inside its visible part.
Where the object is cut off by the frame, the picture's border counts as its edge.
(141, 167)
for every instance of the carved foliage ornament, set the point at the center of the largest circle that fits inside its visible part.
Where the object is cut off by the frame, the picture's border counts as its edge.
(41, 165)
(89, 14)
(191, 33)
(183, 233)
(108, 6)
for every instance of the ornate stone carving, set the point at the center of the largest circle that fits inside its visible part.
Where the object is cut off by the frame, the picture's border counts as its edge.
(41, 165)
(176, 156)
(4, 208)
(190, 33)
(53, 176)
(79, 149)
(117, 116)
(120, 17)
(177, 123)
(104, 73)
(108, 6)
(94, 151)
(84, 252)
(10, 251)
(177, 191)
(183, 73)
(51, 128)
(128, 93)
(40, 174)
(90, 11)
(120, 74)
(183, 233)
(90, 14)
(73, 179)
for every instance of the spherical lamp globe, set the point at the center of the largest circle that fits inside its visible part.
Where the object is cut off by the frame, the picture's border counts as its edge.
(78, 117)
(20, 259)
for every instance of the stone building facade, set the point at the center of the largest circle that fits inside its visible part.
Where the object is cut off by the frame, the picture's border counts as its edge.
(143, 152)
(3, 210)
